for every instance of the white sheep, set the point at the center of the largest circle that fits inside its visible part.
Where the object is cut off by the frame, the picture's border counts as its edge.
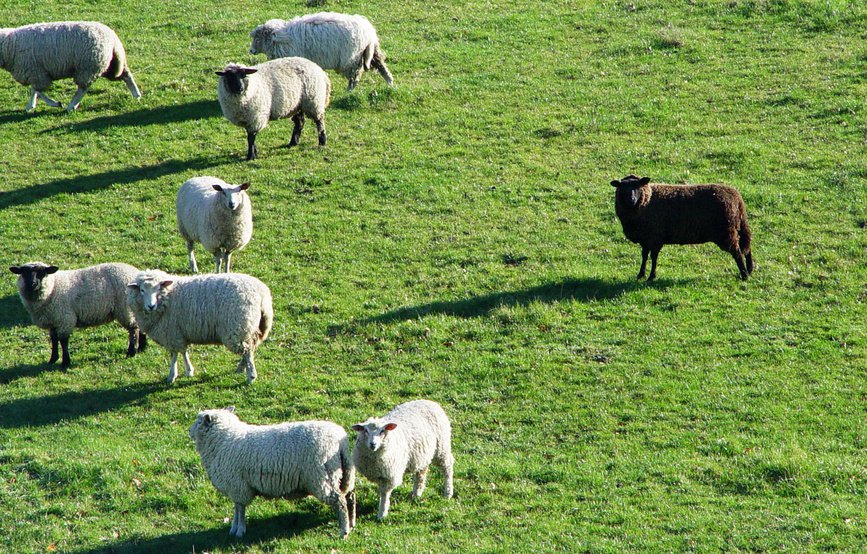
(60, 301)
(41, 53)
(289, 87)
(345, 43)
(288, 460)
(406, 440)
(231, 309)
(216, 214)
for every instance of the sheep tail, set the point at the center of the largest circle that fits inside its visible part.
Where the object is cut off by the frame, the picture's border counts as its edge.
(266, 319)
(367, 55)
(347, 478)
(117, 66)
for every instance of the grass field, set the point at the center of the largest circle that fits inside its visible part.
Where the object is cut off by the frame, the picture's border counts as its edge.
(456, 240)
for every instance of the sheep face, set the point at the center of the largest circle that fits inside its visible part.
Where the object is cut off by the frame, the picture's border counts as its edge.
(372, 434)
(150, 292)
(235, 77)
(629, 190)
(32, 282)
(233, 197)
(206, 421)
(262, 35)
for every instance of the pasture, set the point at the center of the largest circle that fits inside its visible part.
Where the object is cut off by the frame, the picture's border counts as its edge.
(456, 240)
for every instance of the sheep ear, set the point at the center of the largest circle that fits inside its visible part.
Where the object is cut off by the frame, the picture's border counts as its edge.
(390, 426)
(15, 269)
(249, 70)
(230, 409)
(51, 269)
(643, 181)
(217, 188)
(206, 419)
(358, 427)
(615, 183)
(220, 73)
(133, 286)
(168, 283)
(245, 186)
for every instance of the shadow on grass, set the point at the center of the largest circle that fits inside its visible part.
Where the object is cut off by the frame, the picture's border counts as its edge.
(20, 371)
(200, 109)
(583, 290)
(283, 526)
(12, 312)
(88, 183)
(49, 410)
(17, 116)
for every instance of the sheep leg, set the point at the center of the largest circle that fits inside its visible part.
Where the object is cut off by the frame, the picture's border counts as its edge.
(247, 362)
(644, 252)
(130, 349)
(351, 507)
(218, 261)
(226, 257)
(252, 151)
(52, 334)
(47, 99)
(188, 366)
(378, 62)
(750, 266)
(239, 523)
(653, 255)
(384, 501)
(173, 369)
(142, 341)
(298, 119)
(192, 256)
(419, 483)
(338, 501)
(736, 254)
(448, 482)
(76, 99)
(320, 126)
(64, 345)
(130, 84)
(31, 103)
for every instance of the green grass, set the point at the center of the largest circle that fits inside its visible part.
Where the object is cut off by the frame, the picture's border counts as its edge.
(456, 240)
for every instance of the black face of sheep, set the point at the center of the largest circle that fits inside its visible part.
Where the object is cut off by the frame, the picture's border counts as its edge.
(32, 277)
(629, 189)
(236, 78)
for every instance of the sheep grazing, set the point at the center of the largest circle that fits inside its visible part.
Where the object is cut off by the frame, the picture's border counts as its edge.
(406, 439)
(654, 215)
(39, 54)
(231, 309)
(288, 87)
(216, 214)
(287, 460)
(60, 301)
(345, 43)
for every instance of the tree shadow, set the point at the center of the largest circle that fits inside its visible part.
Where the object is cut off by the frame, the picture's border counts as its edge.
(12, 312)
(88, 183)
(200, 109)
(49, 410)
(584, 290)
(283, 526)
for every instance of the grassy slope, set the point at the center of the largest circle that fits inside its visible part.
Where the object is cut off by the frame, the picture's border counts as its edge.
(591, 412)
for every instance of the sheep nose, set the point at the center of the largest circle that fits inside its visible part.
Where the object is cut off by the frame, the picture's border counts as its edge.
(150, 307)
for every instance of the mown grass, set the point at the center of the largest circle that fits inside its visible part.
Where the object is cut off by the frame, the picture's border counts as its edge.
(456, 240)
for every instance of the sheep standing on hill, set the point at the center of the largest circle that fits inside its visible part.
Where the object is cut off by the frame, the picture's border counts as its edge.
(406, 439)
(289, 87)
(345, 43)
(39, 54)
(288, 460)
(216, 214)
(659, 214)
(60, 301)
(231, 309)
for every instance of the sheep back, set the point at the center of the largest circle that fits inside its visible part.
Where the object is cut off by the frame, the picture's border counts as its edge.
(203, 216)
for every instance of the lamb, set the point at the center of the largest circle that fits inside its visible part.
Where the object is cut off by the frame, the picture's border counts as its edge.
(216, 214)
(406, 439)
(41, 53)
(288, 87)
(345, 43)
(659, 214)
(60, 301)
(288, 460)
(231, 309)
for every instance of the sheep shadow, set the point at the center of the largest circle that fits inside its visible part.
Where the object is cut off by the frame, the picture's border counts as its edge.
(12, 312)
(259, 531)
(583, 290)
(97, 181)
(17, 116)
(20, 371)
(49, 410)
(200, 109)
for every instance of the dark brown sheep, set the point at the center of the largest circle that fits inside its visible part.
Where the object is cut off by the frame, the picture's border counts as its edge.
(656, 215)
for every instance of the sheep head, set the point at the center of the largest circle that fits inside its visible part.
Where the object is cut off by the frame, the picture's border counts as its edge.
(34, 282)
(373, 432)
(629, 190)
(233, 196)
(235, 77)
(149, 290)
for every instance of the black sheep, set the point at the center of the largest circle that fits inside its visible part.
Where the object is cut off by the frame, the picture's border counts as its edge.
(656, 215)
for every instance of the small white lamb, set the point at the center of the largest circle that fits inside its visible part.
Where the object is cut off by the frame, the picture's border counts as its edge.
(289, 87)
(60, 301)
(41, 53)
(231, 309)
(346, 43)
(216, 214)
(287, 460)
(406, 440)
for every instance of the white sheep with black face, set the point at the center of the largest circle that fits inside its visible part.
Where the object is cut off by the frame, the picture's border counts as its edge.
(216, 214)
(406, 440)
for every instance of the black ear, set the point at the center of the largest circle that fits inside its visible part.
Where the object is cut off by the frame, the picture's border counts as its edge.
(230, 409)
(615, 183)
(358, 427)
(644, 181)
(51, 269)
(217, 188)
(206, 420)
(245, 186)
(249, 70)
(15, 269)
(220, 73)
